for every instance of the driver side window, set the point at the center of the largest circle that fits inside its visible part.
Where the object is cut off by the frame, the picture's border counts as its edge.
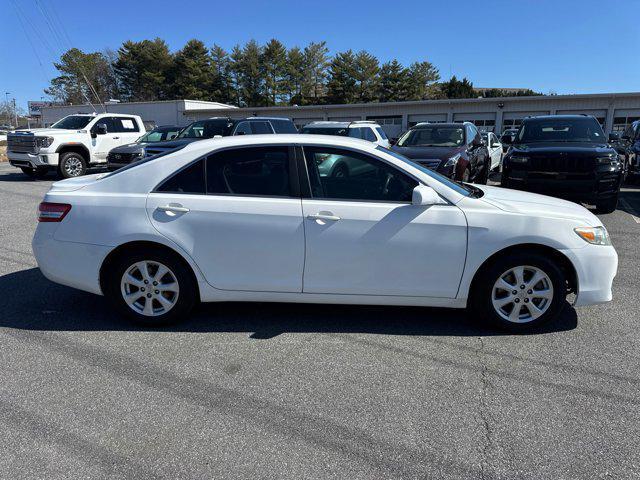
(337, 174)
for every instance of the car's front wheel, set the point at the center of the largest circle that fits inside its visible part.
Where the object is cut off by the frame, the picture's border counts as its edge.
(520, 292)
(71, 165)
(152, 287)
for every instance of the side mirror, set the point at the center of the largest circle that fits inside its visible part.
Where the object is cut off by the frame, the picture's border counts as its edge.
(99, 129)
(614, 137)
(425, 195)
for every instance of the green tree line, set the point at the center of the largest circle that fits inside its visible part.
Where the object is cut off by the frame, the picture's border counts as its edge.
(251, 75)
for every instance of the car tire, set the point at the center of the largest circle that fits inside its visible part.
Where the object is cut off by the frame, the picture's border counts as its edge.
(72, 165)
(34, 172)
(151, 287)
(537, 303)
(608, 205)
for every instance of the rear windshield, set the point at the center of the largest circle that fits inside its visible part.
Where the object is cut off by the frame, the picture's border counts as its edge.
(326, 131)
(585, 129)
(207, 129)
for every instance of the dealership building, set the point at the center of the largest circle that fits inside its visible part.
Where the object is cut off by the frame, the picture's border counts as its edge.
(614, 111)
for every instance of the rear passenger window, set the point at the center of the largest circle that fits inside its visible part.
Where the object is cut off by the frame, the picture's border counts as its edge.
(124, 124)
(188, 180)
(262, 171)
(243, 128)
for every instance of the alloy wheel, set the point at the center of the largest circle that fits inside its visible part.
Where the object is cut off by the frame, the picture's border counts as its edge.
(149, 288)
(522, 294)
(73, 167)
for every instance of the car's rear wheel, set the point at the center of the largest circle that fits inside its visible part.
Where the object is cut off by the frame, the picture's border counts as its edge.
(152, 287)
(520, 292)
(72, 165)
(608, 205)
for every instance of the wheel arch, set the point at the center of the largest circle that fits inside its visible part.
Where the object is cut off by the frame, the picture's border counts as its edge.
(77, 148)
(146, 245)
(564, 263)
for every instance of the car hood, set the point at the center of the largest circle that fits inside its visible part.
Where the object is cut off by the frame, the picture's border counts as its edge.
(427, 153)
(44, 131)
(564, 147)
(128, 148)
(517, 201)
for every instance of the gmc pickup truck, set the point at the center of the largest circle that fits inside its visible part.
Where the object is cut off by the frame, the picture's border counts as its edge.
(72, 144)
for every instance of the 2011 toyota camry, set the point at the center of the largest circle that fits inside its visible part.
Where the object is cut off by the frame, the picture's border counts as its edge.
(258, 218)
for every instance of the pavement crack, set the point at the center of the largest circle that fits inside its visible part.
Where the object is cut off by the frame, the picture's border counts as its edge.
(483, 412)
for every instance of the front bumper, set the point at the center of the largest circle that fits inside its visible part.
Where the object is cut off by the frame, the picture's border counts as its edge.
(72, 264)
(33, 160)
(596, 267)
(583, 186)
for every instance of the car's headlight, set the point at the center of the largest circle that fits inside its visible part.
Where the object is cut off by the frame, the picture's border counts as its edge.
(452, 160)
(607, 160)
(594, 235)
(44, 142)
(518, 159)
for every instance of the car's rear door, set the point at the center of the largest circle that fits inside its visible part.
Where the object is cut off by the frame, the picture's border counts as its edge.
(238, 213)
(364, 237)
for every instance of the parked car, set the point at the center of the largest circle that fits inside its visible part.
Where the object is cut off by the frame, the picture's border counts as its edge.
(565, 156)
(222, 127)
(455, 150)
(125, 154)
(252, 219)
(362, 129)
(72, 144)
(494, 146)
(628, 147)
(507, 138)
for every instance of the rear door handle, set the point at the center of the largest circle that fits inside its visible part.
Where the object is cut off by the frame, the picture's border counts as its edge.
(323, 216)
(173, 208)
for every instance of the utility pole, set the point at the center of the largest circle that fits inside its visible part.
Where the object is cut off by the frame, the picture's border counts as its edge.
(15, 112)
(6, 104)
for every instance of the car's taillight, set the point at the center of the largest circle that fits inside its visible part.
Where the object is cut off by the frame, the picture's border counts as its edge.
(52, 212)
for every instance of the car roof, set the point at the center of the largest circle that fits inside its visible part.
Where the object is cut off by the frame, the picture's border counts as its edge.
(558, 117)
(447, 124)
(337, 124)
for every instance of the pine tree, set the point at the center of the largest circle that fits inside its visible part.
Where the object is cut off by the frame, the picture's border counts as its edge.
(366, 77)
(274, 70)
(251, 78)
(295, 75)
(143, 69)
(192, 72)
(221, 83)
(455, 88)
(423, 78)
(235, 75)
(316, 60)
(394, 85)
(341, 87)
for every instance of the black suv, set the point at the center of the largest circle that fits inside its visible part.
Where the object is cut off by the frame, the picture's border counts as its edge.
(628, 146)
(125, 154)
(565, 156)
(221, 127)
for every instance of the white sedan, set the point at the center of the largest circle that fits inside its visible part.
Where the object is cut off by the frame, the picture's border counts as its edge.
(252, 219)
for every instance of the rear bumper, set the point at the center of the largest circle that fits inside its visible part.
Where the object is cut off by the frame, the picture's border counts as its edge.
(32, 160)
(596, 267)
(72, 264)
(589, 186)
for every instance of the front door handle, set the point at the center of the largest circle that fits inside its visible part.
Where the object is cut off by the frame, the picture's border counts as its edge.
(173, 208)
(324, 216)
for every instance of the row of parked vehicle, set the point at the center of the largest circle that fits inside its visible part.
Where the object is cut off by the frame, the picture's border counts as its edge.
(561, 155)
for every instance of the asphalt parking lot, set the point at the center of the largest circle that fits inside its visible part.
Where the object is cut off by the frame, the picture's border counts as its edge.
(305, 391)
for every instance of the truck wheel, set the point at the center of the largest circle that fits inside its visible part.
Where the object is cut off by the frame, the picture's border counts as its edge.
(34, 172)
(71, 165)
(608, 205)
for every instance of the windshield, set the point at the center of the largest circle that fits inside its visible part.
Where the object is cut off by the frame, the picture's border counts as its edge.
(461, 188)
(207, 129)
(432, 136)
(325, 131)
(159, 135)
(73, 122)
(585, 129)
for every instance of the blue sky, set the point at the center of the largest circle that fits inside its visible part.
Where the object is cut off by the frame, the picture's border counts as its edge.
(564, 46)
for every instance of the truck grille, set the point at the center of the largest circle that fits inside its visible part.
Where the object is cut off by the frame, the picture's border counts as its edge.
(21, 143)
(561, 164)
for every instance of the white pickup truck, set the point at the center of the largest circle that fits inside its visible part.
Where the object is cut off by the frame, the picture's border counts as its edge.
(72, 144)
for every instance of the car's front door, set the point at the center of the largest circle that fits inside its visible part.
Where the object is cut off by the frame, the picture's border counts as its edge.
(104, 142)
(364, 237)
(241, 221)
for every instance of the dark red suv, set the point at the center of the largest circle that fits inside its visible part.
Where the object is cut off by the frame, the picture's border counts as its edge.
(455, 150)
